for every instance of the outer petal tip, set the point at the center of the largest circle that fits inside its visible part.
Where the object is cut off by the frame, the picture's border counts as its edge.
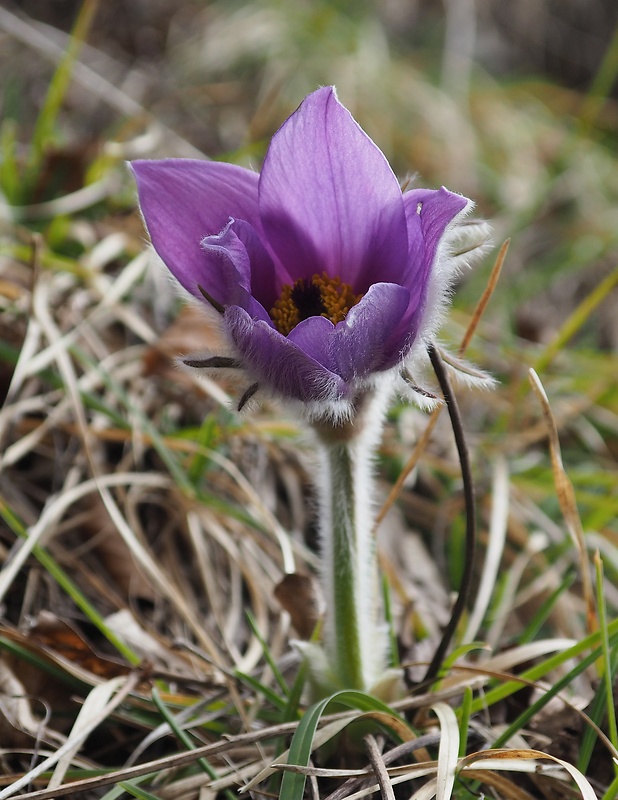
(184, 200)
(328, 196)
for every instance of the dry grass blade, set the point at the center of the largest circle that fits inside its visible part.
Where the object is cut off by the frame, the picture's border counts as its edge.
(506, 789)
(32, 36)
(97, 700)
(494, 277)
(269, 520)
(495, 548)
(125, 686)
(401, 751)
(567, 500)
(410, 464)
(402, 775)
(427, 791)
(72, 203)
(375, 757)
(58, 505)
(448, 751)
(167, 762)
(524, 761)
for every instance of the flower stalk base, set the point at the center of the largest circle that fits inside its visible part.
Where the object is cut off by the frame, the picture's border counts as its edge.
(354, 635)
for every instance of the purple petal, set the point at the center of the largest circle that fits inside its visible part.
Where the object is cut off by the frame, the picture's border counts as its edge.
(229, 260)
(329, 199)
(183, 201)
(376, 334)
(262, 284)
(314, 336)
(428, 213)
(279, 363)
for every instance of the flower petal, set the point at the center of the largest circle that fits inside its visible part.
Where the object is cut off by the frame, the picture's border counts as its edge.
(262, 284)
(228, 258)
(329, 199)
(279, 363)
(428, 213)
(314, 336)
(376, 334)
(184, 200)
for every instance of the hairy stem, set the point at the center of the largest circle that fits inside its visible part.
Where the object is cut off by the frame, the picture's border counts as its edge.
(354, 641)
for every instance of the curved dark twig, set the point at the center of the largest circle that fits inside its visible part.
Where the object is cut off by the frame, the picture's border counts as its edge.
(214, 362)
(218, 307)
(247, 395)
(468, 486)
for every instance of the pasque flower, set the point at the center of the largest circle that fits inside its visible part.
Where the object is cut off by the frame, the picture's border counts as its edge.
(329, 281)
(325, 272)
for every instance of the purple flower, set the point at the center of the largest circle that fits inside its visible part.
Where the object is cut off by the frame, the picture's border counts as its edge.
(324, 270)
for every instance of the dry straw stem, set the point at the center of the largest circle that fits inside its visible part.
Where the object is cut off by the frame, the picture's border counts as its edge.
(481, 766)
(567, 500)
(422, 443)
(523, 760)
(331, 725)
(379, 767)
(50, 347)
(448, 751)
(41, 309)
(80, 733)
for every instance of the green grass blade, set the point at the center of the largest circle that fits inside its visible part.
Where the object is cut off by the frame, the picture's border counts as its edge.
(170, 461)
(185, 739)
(293, 784)
(120, 788)
(393, 650)
(258, 687)
(268, 655)
(523, 719)
(70, 588)
(608, 657)
(612, 791)
(31, 657)
(46, 120)
(131, 788)
(10, 182)
(538, 620)
(464, 720)
(507, 688)
(601, 87)
(291, 711)
(575, 320)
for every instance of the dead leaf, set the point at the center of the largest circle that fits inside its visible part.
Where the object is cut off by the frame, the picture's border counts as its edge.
(18, 725)
(300, 596)
(57, 638)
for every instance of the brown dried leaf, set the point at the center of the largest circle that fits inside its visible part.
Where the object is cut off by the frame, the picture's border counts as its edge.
(300, 596)
(57, 638)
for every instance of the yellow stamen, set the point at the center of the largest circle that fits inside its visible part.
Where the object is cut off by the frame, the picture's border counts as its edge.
(319, 295)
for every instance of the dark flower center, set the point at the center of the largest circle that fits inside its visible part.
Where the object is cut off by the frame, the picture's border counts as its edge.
(318, 296)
